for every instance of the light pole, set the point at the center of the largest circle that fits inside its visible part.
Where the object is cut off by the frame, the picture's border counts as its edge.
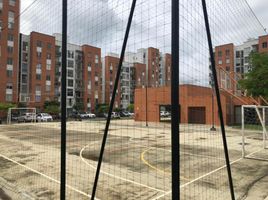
(213, 117)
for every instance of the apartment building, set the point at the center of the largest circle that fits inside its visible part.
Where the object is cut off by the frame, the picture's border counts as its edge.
(233, 62)
(9, 46)
(92, 77)
(74, 71)
(111, 62)
(37, 69)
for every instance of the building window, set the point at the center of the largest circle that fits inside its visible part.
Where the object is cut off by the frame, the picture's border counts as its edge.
(39, 43)
(11, 19)
(38, 54)
(227, 60)
(10, 37)
(264, 45)
(219, 54)
(48, 77)
(38, 77)
(227, 52)
(9, 61)
(8, 97)
(49, 46)
(70, 54)
(48, 87)
(227, 68)
(70, 92)
(9, 73)
(9, 49)
(237, 54)
(70, 73)
(220, 62)
(39, 66)
(70, 83)
(96, 59)
(70, 64)
(12, 2)
(25, 46)
(48, 67)
(37, 98)
(49, 56)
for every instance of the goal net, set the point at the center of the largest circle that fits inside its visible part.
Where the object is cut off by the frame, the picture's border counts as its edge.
(17, 115)
(254, 132)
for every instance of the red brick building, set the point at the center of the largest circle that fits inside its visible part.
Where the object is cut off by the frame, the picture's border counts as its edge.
(42, 69)
(153, 67)
(195, 103)
(224, 58)
(263, 44)
(111, 65)
(92, 77)
(167, 68)
(140, 75)
(9, 50)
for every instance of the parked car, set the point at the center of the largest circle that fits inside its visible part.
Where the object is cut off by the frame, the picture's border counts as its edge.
(124, 114)
(115, 115)
(44, 117)
(27, 117)
(164, 114)
(91, 115)
(83, 115)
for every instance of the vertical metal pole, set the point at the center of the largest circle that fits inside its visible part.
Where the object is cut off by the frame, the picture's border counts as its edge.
(213, 116)
(146, 109)
(112, 100)
(214, 72)
(243, 131)
(175, 139)
(264, 130)
(63, 100)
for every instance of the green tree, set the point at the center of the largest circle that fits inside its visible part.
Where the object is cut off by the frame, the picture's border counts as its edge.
(79, 106)
(5, 106)
(52, 107)
(130, 108)
(255, 81)
(102, 108)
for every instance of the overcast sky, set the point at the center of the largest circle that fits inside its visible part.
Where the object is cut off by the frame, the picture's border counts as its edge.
(102, 23)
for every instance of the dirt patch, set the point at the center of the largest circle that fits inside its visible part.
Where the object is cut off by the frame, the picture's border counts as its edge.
(3, 195)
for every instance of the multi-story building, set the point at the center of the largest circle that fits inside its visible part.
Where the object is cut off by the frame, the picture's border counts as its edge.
(92, 77)
(37, 69)
(127, 84)
(233, 62)
(111, 62)
(9, 50)
(74, 70)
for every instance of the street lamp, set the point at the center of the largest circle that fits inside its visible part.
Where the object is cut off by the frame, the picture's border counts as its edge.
(213, 117)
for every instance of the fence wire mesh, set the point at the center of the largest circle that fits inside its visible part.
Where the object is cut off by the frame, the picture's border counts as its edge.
(137, 157)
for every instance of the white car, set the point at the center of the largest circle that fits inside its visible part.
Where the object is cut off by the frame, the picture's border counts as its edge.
(91, 115)
(164, 114)
(44, 117)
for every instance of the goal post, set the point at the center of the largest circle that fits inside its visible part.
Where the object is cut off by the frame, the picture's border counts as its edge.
(21, 115)
(254, 132)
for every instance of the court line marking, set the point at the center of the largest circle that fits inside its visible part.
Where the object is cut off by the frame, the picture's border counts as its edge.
(46, 176)
(114, 176)
(203, 176)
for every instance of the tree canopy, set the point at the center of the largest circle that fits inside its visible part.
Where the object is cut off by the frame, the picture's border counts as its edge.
(255, 81)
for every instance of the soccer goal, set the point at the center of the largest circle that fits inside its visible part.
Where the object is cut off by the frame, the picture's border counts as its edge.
(254, 132)
(21, 115)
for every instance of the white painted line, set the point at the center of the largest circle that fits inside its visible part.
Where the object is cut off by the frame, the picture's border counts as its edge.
(118, 177)
(48, 177)
(186, 184)
(162, 195)
(192, 181)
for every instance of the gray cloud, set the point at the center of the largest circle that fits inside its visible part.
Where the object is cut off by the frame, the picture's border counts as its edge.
(102, 23)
